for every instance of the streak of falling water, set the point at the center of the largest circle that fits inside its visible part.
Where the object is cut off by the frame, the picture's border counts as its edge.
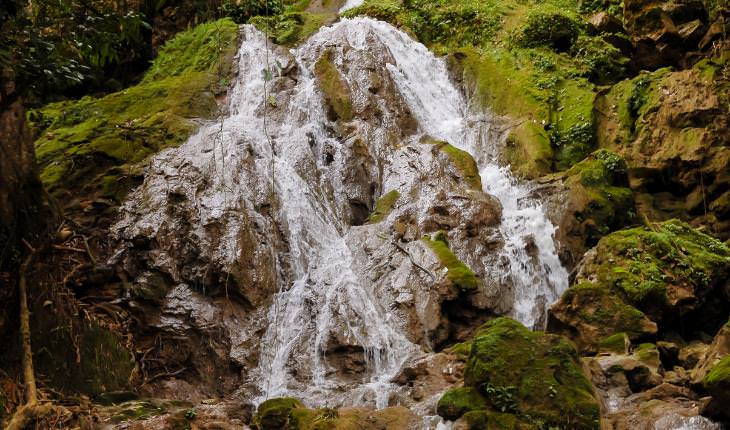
(350, 4)
(538, 279)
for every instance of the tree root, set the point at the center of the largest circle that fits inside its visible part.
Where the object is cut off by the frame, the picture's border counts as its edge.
(32, 410)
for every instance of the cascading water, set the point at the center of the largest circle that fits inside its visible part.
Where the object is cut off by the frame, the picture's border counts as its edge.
(226, 170)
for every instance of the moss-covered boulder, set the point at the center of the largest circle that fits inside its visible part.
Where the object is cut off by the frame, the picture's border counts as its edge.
(596, 200)
(276, 414)
(533, 376)
(639, 277)
(290, 414)
(589, 313)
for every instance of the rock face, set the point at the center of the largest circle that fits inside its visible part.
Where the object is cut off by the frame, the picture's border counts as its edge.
(514, 375)
(672, 130)
(374, 237)
(663, 31)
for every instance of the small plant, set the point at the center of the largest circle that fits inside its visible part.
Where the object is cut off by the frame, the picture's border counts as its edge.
(503, 398)
(190, 414)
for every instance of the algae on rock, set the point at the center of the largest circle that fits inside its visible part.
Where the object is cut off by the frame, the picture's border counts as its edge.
(533, 376)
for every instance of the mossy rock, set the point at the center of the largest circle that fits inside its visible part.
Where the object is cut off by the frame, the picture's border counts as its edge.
(656, 268)
(465, 165)
(460, 275)
(717, 383)
(532, 375)
(615, 344)
(83, 358)
(458, 401)
(335, 88)
(276, 414)
(590, 312)
(85, 145)
(600, 196)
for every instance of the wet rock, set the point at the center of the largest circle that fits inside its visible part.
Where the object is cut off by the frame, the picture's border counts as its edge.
(717, 383)
(691, 354)
(529, 385)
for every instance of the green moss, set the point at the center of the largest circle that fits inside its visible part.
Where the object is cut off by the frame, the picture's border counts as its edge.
(641, 263)
(82, 141)
(463, 162)
(336, 91)
(533, 375)
(719, 375)
(276, 414)
(384, 206)
(550, 27)
(460, 275)
(617, 343)
(458, 401)
(461, 349)
(600, 307)
(199, 50)
(532, 61)
(136, 410)
(599, 187)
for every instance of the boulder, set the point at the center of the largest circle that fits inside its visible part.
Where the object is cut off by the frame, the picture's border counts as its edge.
(531, 376)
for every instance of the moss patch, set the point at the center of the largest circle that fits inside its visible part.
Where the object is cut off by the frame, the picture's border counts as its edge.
(599, 187)
(531, 375)
(336, 91)
(384, 206)
(460, 275)
(646, 266)
(86, 143)
(458, 401)
(275, 414)
(463, 162)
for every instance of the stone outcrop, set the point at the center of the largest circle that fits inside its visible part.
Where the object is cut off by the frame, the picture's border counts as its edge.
(521, 377)
(638, 278)
(672, 130)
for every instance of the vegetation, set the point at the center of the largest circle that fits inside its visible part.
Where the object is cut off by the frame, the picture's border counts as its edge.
(460, 275)
(384, 206)
(543, 52)
(96, 142)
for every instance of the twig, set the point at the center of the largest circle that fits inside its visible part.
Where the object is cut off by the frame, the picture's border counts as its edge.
(410, 257)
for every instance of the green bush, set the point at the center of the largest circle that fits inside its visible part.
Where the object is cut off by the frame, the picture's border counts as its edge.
(553, 29)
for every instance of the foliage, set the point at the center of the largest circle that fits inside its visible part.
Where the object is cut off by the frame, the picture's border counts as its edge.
(55, 45)
(95, 142)
(243, 10)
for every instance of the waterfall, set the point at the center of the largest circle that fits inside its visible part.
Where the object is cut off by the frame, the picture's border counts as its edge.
(226, 169)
